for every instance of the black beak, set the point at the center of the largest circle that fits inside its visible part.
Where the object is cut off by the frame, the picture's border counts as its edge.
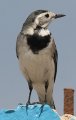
(59, 15)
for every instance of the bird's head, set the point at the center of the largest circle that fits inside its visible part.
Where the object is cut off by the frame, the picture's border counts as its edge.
(41, 19)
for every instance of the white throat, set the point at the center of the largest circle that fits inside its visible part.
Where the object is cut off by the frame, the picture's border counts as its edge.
(44, 32)
(41, 32)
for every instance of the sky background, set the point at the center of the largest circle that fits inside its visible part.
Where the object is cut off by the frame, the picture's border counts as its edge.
(13, 86)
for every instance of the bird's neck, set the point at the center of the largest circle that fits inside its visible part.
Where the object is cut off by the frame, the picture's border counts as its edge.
(28, 31)
(43, 32)
(39, 31)
(39, 40)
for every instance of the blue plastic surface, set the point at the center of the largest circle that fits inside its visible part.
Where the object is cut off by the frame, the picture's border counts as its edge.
(33, 113)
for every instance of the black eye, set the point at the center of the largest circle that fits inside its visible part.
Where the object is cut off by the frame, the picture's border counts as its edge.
(47, 15)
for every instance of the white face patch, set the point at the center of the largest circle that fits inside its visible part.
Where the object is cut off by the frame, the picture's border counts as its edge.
(43, 20)
(44, 32)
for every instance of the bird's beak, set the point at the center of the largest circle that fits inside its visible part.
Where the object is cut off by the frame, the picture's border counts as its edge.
(59, 16)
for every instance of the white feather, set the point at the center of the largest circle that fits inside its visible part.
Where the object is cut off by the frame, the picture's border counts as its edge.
(44, 32)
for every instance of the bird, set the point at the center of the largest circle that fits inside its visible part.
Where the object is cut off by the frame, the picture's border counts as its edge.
(37, 55)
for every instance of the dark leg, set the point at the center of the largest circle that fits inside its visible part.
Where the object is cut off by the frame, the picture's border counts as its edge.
(30, 88)
(46, 87)
(45, 101)
(52, 105)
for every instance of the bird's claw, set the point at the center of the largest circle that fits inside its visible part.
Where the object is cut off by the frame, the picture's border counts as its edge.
(27, 104)
(41, 109)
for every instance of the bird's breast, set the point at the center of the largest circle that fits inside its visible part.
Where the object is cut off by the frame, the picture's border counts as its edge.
(37, 42)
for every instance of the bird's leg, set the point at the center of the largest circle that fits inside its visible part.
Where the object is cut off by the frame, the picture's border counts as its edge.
(45, 101)
(52, 105)
(46, 87)
(30, 88)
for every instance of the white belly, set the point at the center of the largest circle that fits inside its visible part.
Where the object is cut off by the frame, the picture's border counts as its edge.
(37, 67)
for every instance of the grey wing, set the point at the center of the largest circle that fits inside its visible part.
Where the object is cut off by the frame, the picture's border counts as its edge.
(21, 43)
(17, 47)
(17, 50)
(18, 44)
(55, 63)
(55, 57)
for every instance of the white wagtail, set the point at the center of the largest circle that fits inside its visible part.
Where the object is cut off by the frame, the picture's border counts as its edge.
(37, 54)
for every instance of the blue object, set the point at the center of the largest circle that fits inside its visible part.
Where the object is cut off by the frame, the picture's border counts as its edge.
(33, 113)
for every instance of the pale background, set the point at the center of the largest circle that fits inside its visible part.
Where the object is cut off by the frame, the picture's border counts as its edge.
(13, 87)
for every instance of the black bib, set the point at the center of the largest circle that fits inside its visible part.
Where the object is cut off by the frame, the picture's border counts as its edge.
(37, 42)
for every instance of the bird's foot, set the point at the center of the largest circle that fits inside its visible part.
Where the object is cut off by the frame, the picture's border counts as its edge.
(41, 109)
(35, 103)
(27, 104)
